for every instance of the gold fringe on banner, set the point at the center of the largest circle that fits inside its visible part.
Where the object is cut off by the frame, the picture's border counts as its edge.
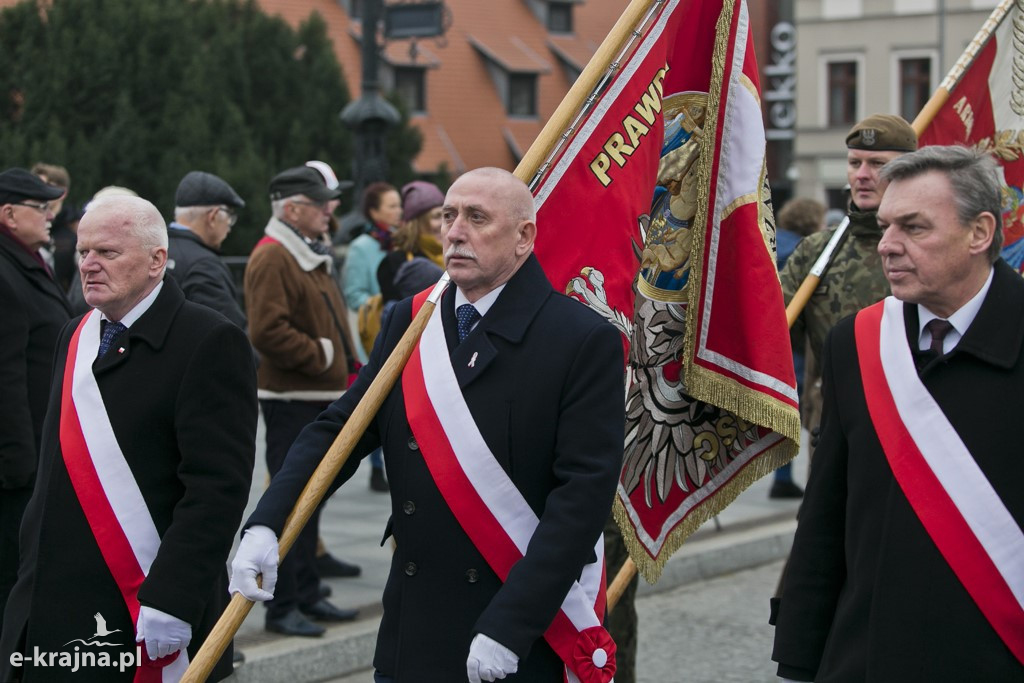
(649, 567)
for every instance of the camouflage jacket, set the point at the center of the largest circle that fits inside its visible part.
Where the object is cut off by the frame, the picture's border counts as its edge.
(854, 279)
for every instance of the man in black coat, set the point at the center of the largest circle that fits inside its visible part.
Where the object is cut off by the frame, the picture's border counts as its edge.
(908, 562)
(33, 310)
(540, 377)
(205, 209)
(145, 466)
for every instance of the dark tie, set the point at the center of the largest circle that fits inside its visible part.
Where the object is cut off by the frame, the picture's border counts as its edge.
(466, 315)
(939, 329)
(110, 332)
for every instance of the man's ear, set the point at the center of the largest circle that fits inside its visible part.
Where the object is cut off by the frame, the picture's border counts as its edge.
(157, 259)
(983, 230)
(527, 235)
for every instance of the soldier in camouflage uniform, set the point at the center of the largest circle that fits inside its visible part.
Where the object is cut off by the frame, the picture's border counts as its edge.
(854, 278)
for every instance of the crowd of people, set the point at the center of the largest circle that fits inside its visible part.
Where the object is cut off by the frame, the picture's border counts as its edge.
(134, 379)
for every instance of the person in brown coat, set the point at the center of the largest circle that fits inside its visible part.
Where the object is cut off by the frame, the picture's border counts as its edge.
(298, 324)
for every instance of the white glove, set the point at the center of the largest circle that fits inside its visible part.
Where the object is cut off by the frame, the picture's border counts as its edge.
(489, 660)
(257, 554)
(164, 634)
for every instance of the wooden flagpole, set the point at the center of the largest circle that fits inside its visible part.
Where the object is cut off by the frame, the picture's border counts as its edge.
(941, 94)
(562, 124)
(226, 627)
(923, 119)
(575, 101)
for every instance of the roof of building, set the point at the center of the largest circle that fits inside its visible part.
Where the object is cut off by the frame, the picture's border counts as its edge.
(465, 123)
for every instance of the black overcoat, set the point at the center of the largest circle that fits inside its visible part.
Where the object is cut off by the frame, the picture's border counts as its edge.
(33, 310)
(546, 392)
(182, 403)
(867, 596)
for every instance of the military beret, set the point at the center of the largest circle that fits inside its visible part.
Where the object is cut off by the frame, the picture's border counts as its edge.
(304, 180)
(17, 184)
(882, 133)
(199, 188)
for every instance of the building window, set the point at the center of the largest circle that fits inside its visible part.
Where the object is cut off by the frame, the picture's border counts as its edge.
(355, 9)
(915, 86)
(522, 94)
(842, 94)
(411, 86)
(560, 17)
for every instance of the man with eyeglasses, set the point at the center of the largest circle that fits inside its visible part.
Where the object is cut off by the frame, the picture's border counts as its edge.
(299, 325)
(205, 209)
(33, 309)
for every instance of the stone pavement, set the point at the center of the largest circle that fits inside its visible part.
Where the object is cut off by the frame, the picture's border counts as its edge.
(754, 530)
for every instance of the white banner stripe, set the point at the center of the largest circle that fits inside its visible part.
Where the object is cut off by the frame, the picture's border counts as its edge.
(128, 505)
(474, 457)
(947, 456)
(114, 474)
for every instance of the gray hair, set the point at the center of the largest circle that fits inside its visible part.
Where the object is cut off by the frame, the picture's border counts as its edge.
(142, 219)
(191, 214)
(973, 176)
(277, 205)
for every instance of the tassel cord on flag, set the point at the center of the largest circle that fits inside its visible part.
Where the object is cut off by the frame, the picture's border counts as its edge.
(317, 486)
(586, 91)
(921, 122)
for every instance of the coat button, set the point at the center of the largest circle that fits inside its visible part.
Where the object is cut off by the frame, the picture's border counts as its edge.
(472, 576)
(410, 568)
(408, 507)
(413, 446)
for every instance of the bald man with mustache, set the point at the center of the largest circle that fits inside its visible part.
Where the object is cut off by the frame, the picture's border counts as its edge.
(503, 442)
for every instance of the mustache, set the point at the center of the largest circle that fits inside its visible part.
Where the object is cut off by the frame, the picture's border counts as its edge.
(461, 251)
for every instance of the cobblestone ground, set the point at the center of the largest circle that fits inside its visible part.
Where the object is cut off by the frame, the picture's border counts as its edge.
(708, 632)
(714, 631)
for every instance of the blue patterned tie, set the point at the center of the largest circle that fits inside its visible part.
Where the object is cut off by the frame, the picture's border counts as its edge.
(466, 315)
(110, 333)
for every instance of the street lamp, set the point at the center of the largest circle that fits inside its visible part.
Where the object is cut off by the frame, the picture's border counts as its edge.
(371, 116)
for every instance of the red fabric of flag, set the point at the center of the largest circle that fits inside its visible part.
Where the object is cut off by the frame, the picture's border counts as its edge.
(657, 216)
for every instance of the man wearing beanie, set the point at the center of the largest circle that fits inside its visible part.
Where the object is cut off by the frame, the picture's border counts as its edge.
(205, 209)
(854, 278)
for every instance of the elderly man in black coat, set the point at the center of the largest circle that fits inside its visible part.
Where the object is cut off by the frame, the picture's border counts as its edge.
(145, 465)
(205, 209)
(908, 562)
(33, 309)
(511, 406)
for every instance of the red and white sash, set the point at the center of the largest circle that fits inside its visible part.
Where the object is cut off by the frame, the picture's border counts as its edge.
(490, 508)
(950, 494)
(121, 522)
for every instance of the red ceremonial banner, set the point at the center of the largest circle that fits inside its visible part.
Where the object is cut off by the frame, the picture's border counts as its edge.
(985, 110)
(657, 215)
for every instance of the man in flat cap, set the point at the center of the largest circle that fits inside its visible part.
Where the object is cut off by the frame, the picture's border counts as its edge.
(205, 208)
(33, 309)
(854, 278)
(299, 325)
